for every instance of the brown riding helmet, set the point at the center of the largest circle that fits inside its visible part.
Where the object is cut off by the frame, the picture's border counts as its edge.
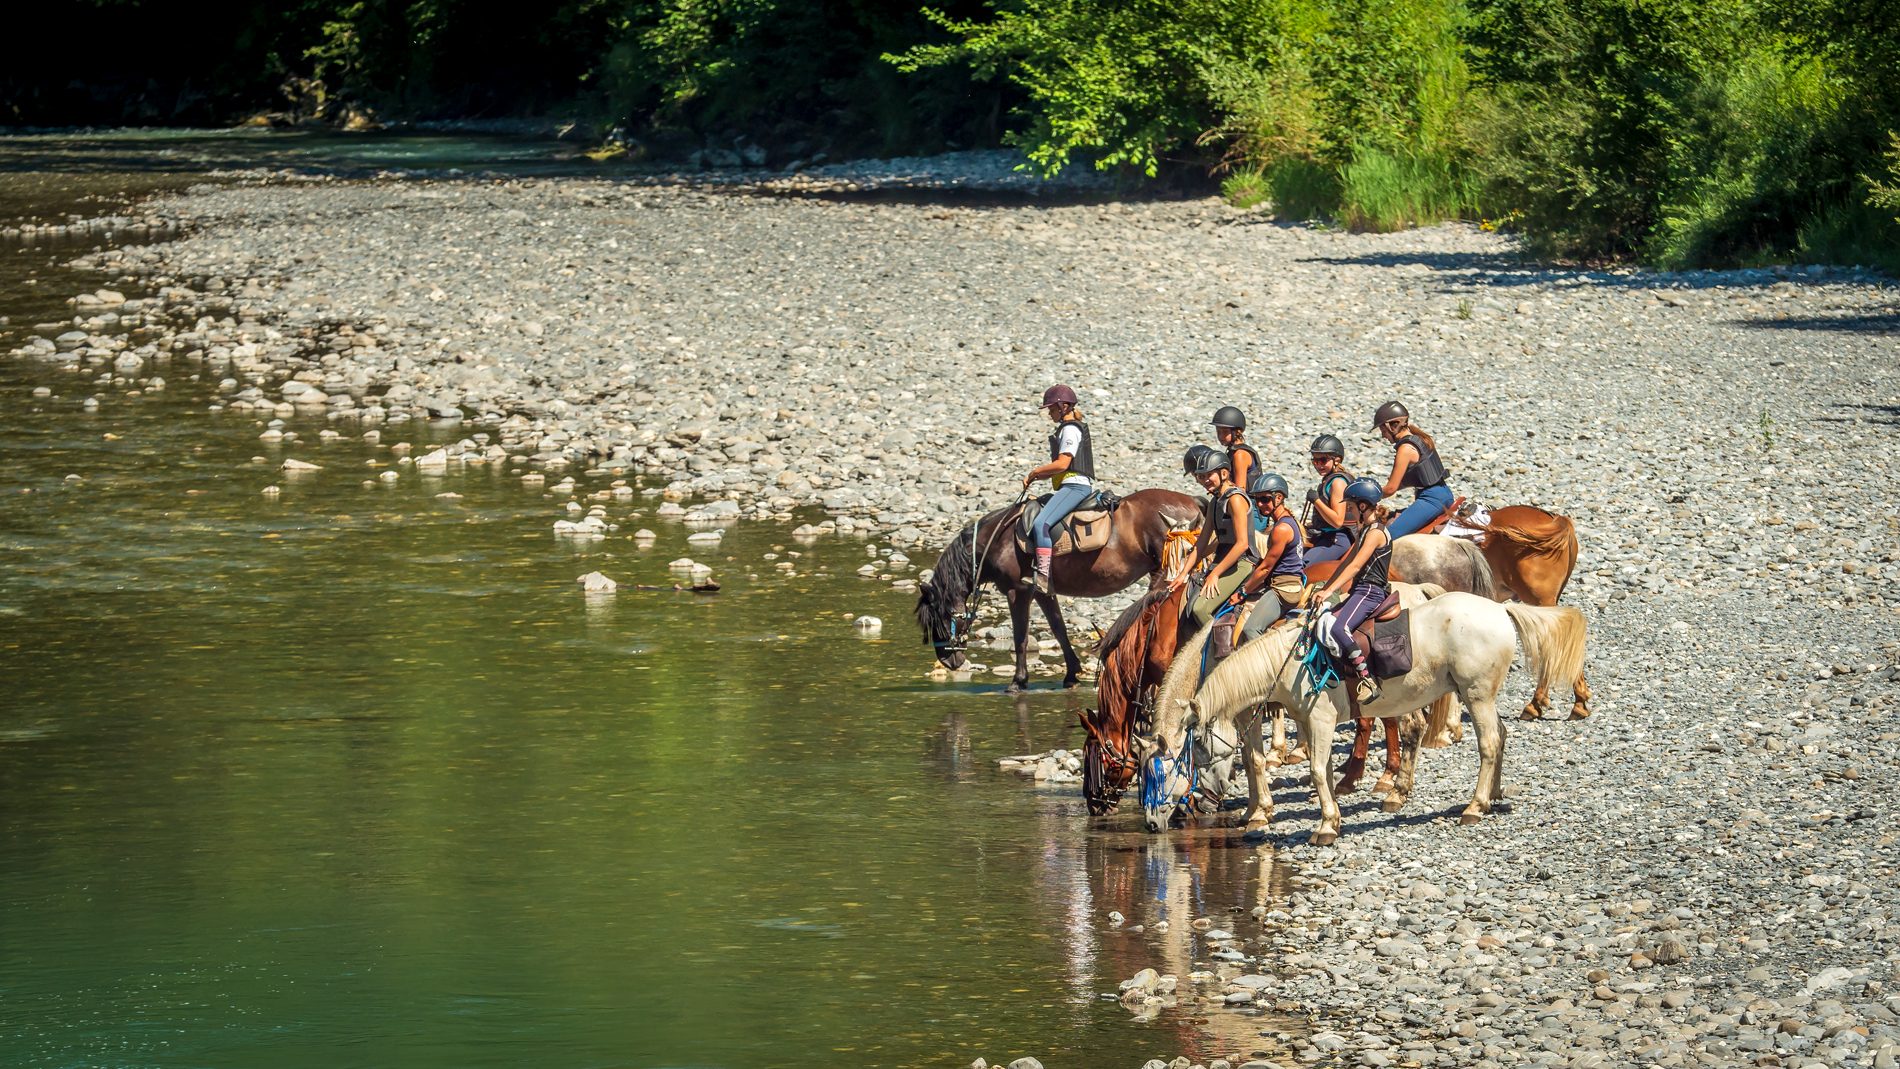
(1387, 412)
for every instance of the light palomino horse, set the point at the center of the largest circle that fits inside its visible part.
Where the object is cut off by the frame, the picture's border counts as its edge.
(1460, 643)
(1220, 742)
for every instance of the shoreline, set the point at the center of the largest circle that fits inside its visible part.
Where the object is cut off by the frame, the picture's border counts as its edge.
(1701, 873)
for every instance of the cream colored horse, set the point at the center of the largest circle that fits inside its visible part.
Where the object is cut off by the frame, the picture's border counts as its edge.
(1461, 643)
(1220, 743)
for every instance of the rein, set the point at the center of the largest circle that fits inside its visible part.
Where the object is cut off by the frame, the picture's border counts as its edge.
(973, 598)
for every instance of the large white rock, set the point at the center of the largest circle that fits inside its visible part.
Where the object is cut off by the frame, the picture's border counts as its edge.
(596, 583)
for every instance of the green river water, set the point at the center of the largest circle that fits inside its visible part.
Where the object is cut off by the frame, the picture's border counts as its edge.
(358, 776)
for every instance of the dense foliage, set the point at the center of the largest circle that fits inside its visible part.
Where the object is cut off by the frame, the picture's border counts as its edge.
(1678, 132)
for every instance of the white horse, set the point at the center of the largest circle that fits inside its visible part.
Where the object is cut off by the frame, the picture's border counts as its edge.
(1460, 643)
(1219, 742)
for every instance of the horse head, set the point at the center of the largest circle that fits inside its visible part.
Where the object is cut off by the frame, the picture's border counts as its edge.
(941, 617)
(1167, 768)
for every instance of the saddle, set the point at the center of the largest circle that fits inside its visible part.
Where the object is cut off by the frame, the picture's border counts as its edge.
(1443, 518)
(1083, 531)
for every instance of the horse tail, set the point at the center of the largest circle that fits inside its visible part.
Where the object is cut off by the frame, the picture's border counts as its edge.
(1553, 639)
(1483, 583)
(1554, 537)
(1438, 722)
(1576, 550)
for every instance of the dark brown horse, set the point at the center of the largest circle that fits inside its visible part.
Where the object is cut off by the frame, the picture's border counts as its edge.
(985, 553)
(1135, 652)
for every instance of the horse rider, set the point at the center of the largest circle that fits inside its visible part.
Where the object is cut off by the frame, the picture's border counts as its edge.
(1193, 458)
(1281, 569)
(1415, 464)
(1327, 537)
(1227, 539)
(1070, 470)
(1364, 575)
(1230, 426)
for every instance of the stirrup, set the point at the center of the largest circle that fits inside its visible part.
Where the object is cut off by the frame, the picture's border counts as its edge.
(1367, 690)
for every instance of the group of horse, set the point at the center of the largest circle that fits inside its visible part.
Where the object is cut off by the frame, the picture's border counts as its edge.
(1164, 716)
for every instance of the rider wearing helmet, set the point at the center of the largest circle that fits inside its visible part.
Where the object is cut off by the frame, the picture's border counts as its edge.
(1230, 426)
(1071, 470)
(1192, 459)
(1227, 539)
(1364, 575)
(1281, 568)
(1326, 536)
(1414, 464)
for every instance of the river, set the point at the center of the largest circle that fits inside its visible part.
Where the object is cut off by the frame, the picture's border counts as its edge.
(356, 775)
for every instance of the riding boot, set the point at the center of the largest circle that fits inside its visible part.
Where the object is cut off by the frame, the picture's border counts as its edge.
(1367, 688)
(1043, 559)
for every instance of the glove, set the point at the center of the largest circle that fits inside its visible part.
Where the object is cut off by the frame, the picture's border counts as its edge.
(1312, 496)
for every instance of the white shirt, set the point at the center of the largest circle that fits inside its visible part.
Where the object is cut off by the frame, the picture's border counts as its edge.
(1068, 440)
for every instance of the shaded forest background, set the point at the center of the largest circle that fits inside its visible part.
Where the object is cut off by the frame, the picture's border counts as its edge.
(1674, 132)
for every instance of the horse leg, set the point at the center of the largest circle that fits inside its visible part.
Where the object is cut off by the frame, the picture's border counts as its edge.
(1411, 734)
(1276, 754)
(1259, 789)
(1322, 773)
(1579, 698)
(1354, 767)
(1384, 785)
(1490, 731)
(1019, 631)
(1052, 612)
(1539, 703)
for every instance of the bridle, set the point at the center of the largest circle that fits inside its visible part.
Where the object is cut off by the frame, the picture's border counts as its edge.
(961, 622)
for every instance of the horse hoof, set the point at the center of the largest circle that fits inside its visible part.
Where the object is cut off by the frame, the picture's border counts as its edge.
(1347, 786)
(1016, 688)
(1530, 713)
(1069, 683)
(1579, 712)
(1325, 838)
(1385, 785)
(1469, 818)
(1393, 803)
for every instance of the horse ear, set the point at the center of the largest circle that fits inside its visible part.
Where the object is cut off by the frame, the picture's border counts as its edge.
(1142, 745)
(1193, 710)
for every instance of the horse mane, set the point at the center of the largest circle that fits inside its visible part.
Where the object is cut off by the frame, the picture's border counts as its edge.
(1245, 678)
(1136, 611)
(952, 578)
(1553, 539)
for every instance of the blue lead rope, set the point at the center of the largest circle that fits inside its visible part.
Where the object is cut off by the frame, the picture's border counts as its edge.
(1318, 667)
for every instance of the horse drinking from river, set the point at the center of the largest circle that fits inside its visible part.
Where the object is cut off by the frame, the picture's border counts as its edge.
(986, 553)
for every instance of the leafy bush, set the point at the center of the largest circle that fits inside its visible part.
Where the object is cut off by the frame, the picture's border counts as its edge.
(1302, 188)
(1246, 189)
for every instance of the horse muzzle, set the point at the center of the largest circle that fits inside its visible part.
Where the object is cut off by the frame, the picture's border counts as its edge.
(951, 657)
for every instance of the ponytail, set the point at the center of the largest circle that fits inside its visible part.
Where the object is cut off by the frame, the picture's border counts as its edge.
(1413, 428)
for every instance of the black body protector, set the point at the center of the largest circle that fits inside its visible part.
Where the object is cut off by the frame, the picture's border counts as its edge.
(1228, 531)
(1377, 572)
(1427, 471)
(1083, 462)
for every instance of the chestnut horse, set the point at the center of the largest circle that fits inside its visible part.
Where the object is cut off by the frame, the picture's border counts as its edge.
(985, 553)
(1135, 652)
(1532, 554)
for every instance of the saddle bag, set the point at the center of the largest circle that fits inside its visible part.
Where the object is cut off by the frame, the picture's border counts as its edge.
(1085, 530)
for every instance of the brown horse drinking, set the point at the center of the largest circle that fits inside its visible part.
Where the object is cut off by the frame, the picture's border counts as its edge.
(1135, 651)
(947, 604)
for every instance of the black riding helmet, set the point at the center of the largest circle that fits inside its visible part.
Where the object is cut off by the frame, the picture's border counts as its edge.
(1230, 417)
(1211, 461)
(1192, 460)
(1387, 412)
(1328, 445)
(1265, 482)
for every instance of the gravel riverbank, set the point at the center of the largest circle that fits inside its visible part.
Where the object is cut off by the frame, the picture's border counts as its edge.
(1703, 873)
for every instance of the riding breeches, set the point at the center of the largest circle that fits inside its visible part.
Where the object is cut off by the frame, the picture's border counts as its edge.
(1361, 602)
(1282, 596)
(1330, 546)
(1430, 504)
(1064, 501)
(1224, 587)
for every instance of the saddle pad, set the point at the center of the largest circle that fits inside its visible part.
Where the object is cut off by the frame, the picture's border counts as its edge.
(1082, 531)
(1389, 654)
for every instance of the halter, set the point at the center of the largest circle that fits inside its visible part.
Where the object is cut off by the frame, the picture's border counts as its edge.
(1160, 769)
(1315, 665)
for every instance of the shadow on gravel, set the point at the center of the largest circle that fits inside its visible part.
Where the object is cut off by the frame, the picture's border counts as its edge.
(956, 197)
(1853, 412)
(1879, 323)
